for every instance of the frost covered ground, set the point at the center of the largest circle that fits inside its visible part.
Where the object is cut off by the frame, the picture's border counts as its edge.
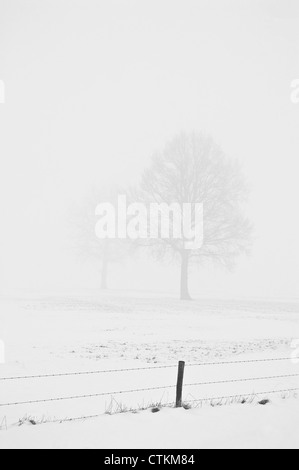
(90, 332)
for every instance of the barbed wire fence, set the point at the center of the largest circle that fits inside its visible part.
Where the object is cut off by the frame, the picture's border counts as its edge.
(179, 386)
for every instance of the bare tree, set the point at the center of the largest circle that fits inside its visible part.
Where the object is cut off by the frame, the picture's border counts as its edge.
(104, 253)
(193, 169)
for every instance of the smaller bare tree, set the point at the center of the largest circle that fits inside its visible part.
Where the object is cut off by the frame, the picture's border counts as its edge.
(104, 253)
(193, 169)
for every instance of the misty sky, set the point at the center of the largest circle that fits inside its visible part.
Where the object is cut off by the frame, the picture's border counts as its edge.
(94, 87)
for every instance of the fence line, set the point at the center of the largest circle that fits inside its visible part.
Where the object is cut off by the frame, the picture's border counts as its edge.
(123, 392)
(172, 404)
(180, 383)
(109, 371)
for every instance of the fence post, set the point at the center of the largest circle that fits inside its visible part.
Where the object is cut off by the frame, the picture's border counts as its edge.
(179, 389)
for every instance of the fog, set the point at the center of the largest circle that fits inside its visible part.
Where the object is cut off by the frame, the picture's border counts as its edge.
(94, 88)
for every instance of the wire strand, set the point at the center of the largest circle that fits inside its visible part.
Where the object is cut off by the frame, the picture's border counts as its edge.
(252, 361)
(73, 374)
(242, 380)
(78, 397)
(271, 392)
(109, 371)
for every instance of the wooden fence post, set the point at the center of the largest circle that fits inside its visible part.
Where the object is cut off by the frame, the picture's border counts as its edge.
(179, 389)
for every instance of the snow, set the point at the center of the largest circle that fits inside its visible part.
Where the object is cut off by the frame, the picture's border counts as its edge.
(239, 427)
(88, 331)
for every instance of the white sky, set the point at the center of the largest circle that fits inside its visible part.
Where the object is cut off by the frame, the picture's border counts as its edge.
(94, 87)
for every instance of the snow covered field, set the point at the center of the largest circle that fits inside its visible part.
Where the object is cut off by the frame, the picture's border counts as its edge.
(91, 332)
(246, 427)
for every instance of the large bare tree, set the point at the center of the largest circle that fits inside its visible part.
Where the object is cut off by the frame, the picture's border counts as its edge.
(193, 169)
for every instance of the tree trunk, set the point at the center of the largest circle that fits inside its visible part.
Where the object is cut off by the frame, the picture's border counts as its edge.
(185, 295)
(104, 280)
